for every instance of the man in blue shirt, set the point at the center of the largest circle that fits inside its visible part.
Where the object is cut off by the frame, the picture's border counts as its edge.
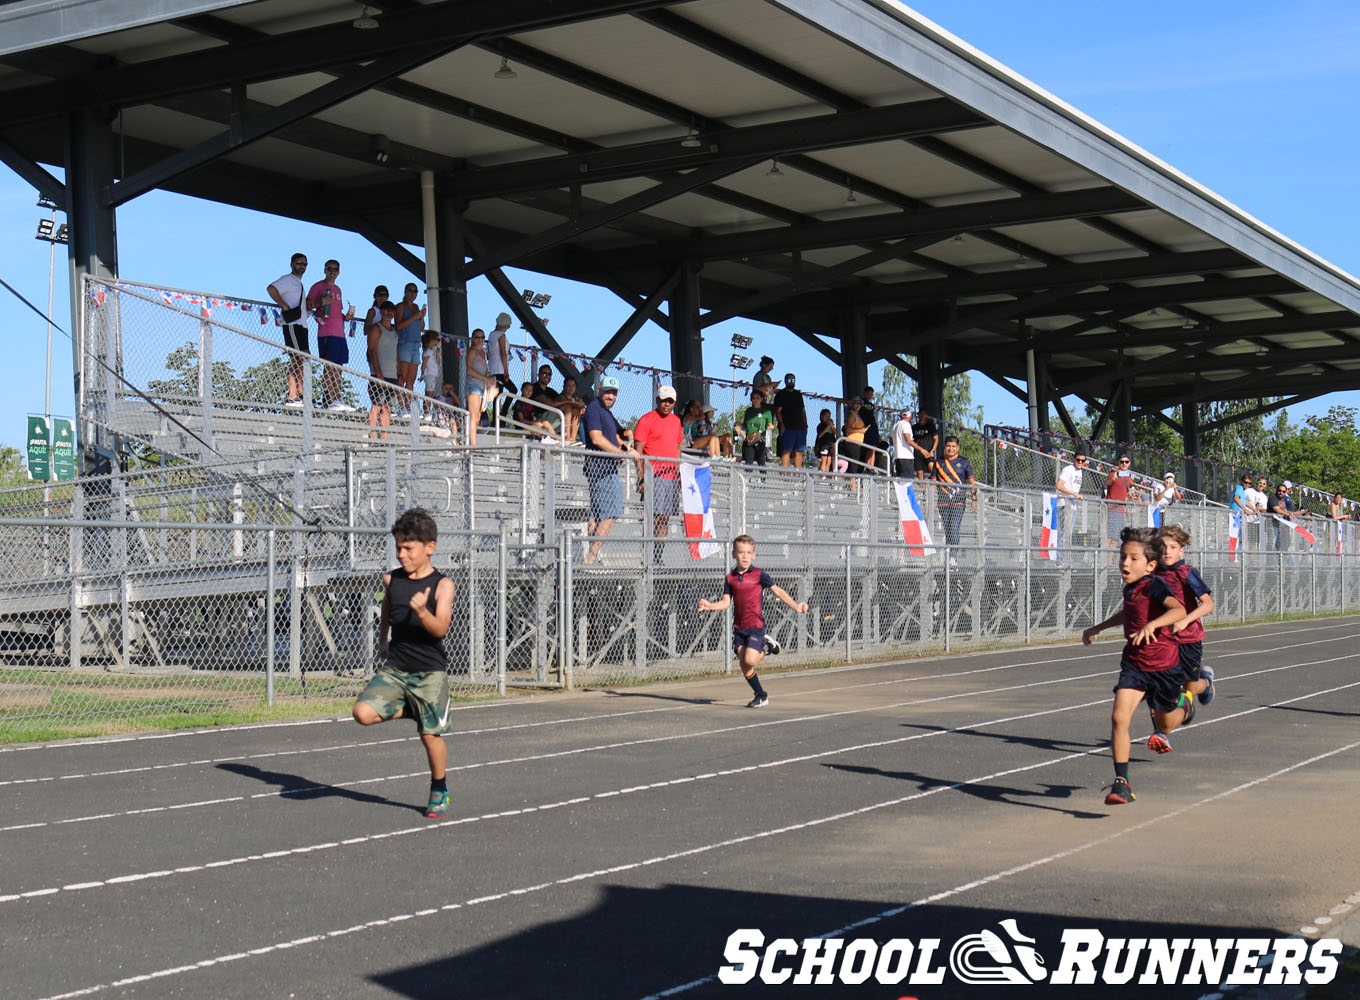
(1238, 503)
(956, 472)
(602, 470)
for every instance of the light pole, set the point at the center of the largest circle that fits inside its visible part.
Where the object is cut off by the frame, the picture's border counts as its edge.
(535, 300)
(739, 362)
(49, 230)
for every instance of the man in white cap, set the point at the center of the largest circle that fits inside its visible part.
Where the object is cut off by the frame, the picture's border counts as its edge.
(1283, 508)
(602, 471)
(658, 434)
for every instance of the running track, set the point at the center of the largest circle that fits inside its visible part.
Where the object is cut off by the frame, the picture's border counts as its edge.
(605, 843)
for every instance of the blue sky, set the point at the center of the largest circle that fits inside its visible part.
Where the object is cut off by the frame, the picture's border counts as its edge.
(1252, 99)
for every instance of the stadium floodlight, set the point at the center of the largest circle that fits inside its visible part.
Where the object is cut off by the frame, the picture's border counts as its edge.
(46, 202)
(740, 361)
(49, 230)
(741, 341)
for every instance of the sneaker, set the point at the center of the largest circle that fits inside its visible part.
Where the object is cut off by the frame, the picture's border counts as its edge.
(1121, 793)
(1207, 695)
(759, 701)
(340, 406)
(402, 414)
(772, 647)
(293, 404)
(1159, 742)
(439, 805)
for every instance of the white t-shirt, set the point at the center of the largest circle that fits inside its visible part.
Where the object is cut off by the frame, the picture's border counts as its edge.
(1071, 478)
(1254, 498)
(902, 440)
(494, 365)
(1166, 495)
(290, 290)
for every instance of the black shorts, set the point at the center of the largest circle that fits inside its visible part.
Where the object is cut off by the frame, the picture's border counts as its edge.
(751, 638)
(295, 336)
(1162, 688)
(383, 392)
(904, 467)
(1192, 655)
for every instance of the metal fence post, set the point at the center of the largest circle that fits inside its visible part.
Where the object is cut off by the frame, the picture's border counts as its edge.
(1279, 582)
(948, 607)
(269, 620)
(349, 505)
(1027, 552)
(1242, 586)
(77, 562)
(849, 618)
(306, 403)
(205, 388)
(502, 609)
(1312, 581)
(565, 602)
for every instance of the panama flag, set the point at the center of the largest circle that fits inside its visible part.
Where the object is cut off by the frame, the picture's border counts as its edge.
(1154, 519)
(1048, 529)
(696, 485)
(1234, 535)
(1298, 528)
(915, 531)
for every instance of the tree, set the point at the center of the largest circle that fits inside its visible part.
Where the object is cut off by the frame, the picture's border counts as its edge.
(1325, 452)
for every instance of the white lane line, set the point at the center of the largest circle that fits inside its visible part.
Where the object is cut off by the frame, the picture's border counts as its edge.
(364, 744)
(721, 845)
(1340, 621)
(1038, 862)
(557, 754)
(666, 783)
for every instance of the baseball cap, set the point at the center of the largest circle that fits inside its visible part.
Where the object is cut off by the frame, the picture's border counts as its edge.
(1170, 475)
(1287, 485)
(609, 384)
(666, 392)
(709, 410)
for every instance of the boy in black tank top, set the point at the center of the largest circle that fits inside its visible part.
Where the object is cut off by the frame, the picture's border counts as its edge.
(414, 681)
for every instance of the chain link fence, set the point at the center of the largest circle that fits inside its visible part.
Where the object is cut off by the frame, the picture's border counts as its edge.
(120, 622)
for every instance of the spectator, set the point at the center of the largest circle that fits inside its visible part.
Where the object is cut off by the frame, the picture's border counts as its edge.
(791, 414)
(429, 366)
(481, 385)
(572, 407)
(1283, 509)
(1335, 510)
(326, 304)
(498, 352)
(1255, 502)
(602, 471)
(1239, 504)
(825, 445)
(657, 435)
(410, 330)
(1169, 492)
(543, 392)
(763, 380)
(853, 449)
(903, 447)
(869, 414)
(449, 397)
(755, 421)
(697, 422)
(926, 433)
(1117, 488)
(287, 293)
(382, 364)
(535, 418)
(1068, 485)
(957, 473)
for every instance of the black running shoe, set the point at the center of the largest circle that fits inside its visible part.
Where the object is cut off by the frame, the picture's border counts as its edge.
(772, 647)
(759, 701)
(1121, 793)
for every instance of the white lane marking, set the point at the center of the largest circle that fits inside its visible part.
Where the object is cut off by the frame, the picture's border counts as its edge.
(1339, 621)
(1039, 862)
(555, 754)
(364, 744)
(723, 844)
(666, 783)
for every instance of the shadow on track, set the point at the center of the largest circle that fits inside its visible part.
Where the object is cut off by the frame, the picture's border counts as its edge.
(988, 793)
(294, 786)
(1038, 742)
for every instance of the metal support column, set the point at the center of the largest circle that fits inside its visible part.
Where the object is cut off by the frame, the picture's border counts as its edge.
(1190, 435)
(854, 359)
(1123, 414)
(451, 243)
(687, 341)
(930, 384)
(91, 156)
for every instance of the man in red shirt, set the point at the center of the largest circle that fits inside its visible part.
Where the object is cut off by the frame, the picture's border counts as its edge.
(1117, 488)
(658, 435)
(326, 304)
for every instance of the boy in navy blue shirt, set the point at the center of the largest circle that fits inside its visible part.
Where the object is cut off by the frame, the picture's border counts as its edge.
(1189, 587)
(1150, 665)
(744, 588)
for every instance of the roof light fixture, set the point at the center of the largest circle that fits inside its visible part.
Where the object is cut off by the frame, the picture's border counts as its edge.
(505, 72)
(365, 21)
(850, 198)
(691, 139)
(774, 170)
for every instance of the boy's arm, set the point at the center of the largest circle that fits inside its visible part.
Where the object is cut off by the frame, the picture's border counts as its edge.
(437, 624)
(1206, 607)
(385, 616)
(1115, 619)
(800, 606)
(719, 605)
(1175, 610)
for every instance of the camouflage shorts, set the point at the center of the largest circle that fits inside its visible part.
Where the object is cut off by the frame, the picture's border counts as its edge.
(425, 696)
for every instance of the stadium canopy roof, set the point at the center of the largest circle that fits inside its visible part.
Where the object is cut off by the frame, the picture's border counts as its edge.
(826, 165)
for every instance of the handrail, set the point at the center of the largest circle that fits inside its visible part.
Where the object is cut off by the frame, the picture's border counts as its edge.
(836, 456)
(498, 406)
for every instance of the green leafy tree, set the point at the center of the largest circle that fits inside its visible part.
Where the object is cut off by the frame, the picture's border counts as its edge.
(1324, 452)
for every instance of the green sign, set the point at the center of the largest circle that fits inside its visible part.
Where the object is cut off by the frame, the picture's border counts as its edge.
(63, 448)
(39, 449)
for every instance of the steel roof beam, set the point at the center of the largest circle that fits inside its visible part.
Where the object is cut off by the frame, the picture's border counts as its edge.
(644, 312)
(1259, 411)
(1162, 296)
(1219, 333)
(452, 22)
(48, 186)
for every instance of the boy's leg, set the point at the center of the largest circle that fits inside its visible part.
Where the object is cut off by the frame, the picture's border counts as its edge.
(1121, 718)
(750, 659)
(382, 700)
(437, 754)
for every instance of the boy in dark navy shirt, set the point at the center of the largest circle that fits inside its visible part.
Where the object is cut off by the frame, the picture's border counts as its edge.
(1150, 666)
(744, 588)
(1191, 590)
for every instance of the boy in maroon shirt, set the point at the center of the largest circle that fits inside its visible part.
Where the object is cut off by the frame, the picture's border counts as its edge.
(1189, 587)
(1150, 666)
(744, 588)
